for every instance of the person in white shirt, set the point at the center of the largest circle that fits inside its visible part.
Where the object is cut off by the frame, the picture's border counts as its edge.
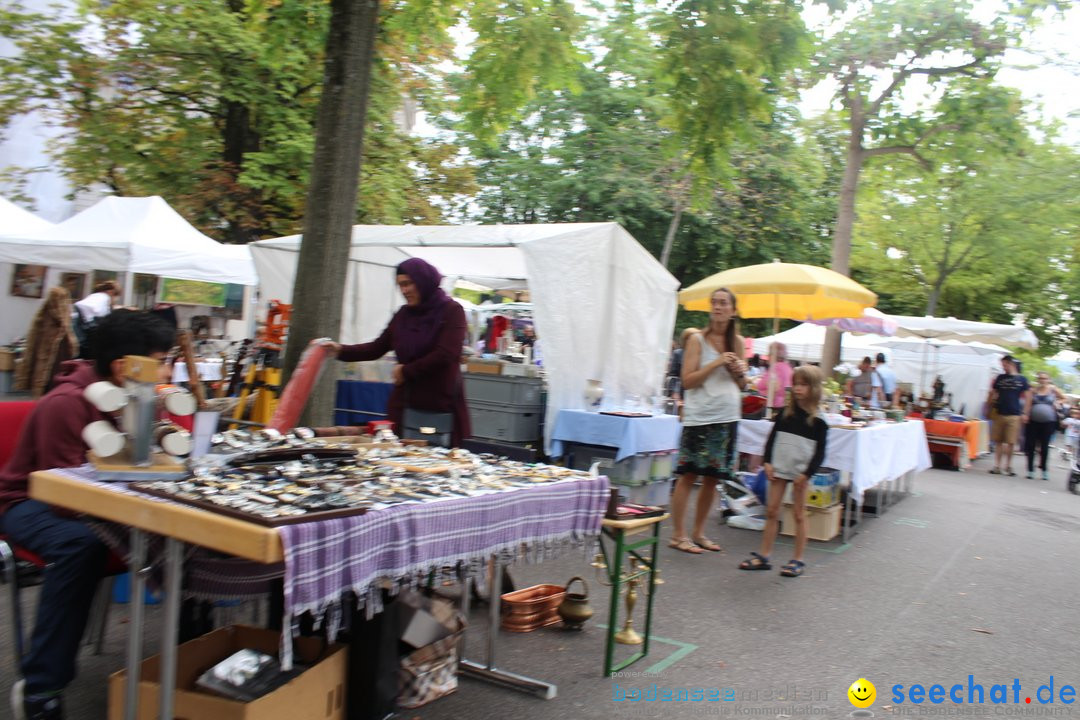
(888, 381)
(99, 303)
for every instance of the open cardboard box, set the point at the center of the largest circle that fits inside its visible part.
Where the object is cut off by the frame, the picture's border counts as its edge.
(316, 694)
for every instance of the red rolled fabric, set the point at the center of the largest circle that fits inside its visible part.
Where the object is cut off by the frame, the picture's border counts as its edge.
(295, 395)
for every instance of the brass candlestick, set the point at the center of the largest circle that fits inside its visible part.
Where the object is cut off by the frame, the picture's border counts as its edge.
(628, 635)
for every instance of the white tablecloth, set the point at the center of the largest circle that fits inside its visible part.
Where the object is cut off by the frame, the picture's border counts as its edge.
(209, 370)
(871, 454)
(631, 435)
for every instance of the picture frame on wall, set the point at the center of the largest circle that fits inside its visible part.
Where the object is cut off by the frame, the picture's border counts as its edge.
(101, 276)
(75, 284)
(28, 281)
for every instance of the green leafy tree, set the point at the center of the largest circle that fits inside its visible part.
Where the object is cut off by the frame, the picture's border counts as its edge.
(875, 61)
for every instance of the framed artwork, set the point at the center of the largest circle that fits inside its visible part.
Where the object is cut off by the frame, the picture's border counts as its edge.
(75, 284)
(234, 303)
(101, 276)
(192, 292)
(145, 291)
(28, 281)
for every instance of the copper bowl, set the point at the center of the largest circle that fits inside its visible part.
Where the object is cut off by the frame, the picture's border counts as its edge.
(531, 608)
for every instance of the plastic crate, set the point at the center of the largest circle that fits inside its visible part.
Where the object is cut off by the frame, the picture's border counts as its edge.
(510, 424)
(634, 470)
(503, 390)
(663, 465)
(656, 492)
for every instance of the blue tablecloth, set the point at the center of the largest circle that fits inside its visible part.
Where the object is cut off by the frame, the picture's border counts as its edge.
(358, 402)
(630, 435)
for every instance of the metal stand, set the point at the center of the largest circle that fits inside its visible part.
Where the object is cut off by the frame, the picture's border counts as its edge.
(174, 558)
(640, 566)
(487, 671)
(138, 570)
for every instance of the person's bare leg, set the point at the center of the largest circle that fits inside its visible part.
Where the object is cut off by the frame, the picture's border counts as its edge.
(772, 516)
(1006, 466)
(705, 498)
(679, 497)
(798, 497)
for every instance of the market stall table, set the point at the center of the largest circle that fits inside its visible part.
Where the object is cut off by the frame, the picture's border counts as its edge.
(325, 558)
(870, 455)
(628, 435)
(959, 440)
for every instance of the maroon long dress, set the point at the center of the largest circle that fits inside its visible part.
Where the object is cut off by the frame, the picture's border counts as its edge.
(432, 380)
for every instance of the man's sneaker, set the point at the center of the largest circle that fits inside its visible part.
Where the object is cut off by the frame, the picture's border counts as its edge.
(35, 708)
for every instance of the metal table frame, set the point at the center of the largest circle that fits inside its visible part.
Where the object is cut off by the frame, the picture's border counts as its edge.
(618, 531)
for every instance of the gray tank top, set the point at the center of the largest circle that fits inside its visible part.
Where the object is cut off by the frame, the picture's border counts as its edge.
(718, 400)
(1042, 408)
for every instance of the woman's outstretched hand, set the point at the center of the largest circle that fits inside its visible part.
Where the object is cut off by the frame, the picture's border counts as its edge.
(333, 347)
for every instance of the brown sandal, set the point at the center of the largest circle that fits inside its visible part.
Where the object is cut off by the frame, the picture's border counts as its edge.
(707, 544)
(684, 545)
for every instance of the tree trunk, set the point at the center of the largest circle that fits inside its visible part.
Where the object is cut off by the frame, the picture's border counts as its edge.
(845, 222)
(673, 227)
(331, 199)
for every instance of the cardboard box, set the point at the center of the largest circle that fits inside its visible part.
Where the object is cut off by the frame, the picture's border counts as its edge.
(316, 694)
(821, 523)
(7, 360)
(488, 368)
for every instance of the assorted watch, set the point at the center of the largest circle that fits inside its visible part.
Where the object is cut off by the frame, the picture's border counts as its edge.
(286, 480)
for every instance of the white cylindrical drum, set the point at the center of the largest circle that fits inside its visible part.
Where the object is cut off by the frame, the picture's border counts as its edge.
(173, 440)
(103, 438)
(178, 401)
(106, 396)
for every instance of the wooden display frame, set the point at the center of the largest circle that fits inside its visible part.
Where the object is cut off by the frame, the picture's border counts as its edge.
(246, 516)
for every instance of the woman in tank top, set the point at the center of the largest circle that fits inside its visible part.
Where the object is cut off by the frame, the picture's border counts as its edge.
(713, 376)
(1041, 416)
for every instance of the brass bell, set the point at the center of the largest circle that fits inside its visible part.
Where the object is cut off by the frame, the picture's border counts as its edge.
(574, 609)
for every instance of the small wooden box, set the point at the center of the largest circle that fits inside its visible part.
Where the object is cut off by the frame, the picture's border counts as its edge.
(7, 360)
(487, 368)
(821, 523)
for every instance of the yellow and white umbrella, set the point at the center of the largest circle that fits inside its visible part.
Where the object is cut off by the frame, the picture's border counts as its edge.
(783, 290)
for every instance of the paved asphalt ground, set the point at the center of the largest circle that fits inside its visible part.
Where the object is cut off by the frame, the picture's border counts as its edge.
(973, 575)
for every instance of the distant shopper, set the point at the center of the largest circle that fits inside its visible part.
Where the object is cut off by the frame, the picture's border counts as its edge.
(673, 384)
(793, 453)
(888, 380)
(1041, 412)
(92, 308)
(778, 375)
(713, 375)
(50, 342)
(99, 303)
(1008, 398)
(867, 384)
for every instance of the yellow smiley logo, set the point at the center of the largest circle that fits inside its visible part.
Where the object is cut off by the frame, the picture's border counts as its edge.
(862, 693)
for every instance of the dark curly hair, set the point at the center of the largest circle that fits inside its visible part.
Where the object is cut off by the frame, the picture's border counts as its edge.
(127, 332)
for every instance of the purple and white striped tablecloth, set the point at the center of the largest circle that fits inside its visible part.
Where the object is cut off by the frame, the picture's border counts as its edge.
(324, 559)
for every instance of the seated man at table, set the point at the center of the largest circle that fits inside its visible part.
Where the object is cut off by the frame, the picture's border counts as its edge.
(52, 438)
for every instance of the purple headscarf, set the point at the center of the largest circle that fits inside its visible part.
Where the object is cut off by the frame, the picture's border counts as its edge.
(417, 326)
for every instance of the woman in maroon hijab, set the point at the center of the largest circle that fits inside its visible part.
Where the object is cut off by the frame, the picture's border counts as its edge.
(426, 334)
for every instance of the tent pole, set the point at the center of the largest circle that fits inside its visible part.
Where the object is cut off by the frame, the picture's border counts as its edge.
(771, 392)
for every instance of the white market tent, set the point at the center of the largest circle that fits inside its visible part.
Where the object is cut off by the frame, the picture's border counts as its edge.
(967, 369)
(122, 234)
(136, 235)
(16, 221)
(604, 307)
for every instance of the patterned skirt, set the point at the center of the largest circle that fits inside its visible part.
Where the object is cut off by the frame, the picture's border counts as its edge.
(709, 450)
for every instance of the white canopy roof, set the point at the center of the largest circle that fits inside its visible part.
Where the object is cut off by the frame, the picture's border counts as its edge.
(966, 368)
(604, 308)
(16, 221)
(965, 331)
(126, 234)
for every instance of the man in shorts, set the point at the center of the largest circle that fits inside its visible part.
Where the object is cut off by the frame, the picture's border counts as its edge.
(1008, 396)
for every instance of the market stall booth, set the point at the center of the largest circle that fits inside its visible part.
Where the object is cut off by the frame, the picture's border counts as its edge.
(603, 307)
(143, 244)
